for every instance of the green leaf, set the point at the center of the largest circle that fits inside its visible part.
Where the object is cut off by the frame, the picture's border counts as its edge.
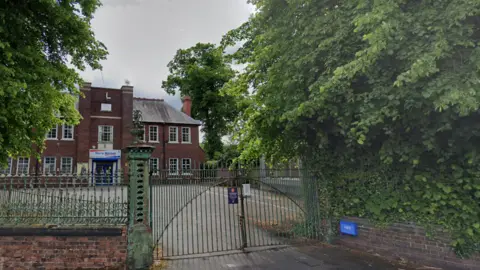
(46, 45)
(447, 189)
(319, 85)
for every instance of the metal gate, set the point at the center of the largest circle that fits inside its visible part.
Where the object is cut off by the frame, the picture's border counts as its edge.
(194, 213)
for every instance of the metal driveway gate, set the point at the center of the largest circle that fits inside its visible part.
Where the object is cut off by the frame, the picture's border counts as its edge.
(193, 213)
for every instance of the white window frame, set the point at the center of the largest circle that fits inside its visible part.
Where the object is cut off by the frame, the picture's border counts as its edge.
(170, 164)
(189, 171)
(61, 165)
(8, 169)
(56, 133)
(100, 133)
(45, 165)
(150, 132)
(63, 133)
(170, 132)
(189, 135)
(155, 160)
(28, 165)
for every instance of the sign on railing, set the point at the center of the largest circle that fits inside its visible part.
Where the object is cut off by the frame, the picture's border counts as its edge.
(232, 195)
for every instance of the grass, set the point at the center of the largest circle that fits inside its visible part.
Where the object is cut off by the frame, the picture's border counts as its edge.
(158, 264)
(284, 227)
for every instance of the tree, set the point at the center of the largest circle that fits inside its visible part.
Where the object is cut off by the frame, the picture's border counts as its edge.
(41, 44)
(228, 155)
(200, 72)
(389, 83)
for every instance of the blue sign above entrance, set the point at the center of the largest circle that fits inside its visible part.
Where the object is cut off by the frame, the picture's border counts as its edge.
(105, 154)
(232, 195)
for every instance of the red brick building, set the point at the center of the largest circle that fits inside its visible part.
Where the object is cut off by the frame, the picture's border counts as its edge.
(96, 144)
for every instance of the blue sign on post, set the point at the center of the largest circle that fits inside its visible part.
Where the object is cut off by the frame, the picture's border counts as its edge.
(232, 195)
(349, 228)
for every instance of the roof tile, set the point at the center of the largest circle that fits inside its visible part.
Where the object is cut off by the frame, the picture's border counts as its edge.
(158, 111)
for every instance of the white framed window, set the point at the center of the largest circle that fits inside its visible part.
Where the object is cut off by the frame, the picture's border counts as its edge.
(173, 134)
(49, 165)
(52, 133)
(173, 166)
(186, 135)
(7, 170)
(105, 134)
(186, 166)
(66, 165)
(67, 132)
(106, 107)
(22, 165)
(153, 133)
(154, 165)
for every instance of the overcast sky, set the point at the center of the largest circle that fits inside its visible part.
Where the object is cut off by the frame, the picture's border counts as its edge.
(142, 36)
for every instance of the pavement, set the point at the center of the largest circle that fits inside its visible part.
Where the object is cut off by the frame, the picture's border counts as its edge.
(288, 258)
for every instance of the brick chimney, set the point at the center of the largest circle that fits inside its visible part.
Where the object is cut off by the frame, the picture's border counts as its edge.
(187, 105)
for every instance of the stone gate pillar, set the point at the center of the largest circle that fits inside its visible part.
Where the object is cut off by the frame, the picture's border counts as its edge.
(140, 243)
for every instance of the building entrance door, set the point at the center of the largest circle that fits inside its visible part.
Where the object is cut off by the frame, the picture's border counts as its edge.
(103, 172)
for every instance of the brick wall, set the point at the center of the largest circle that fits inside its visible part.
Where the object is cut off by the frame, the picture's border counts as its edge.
(178, 150)
(407, 241)
(36, 248)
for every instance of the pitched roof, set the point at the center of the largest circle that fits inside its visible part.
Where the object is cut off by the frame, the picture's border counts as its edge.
(158, 111)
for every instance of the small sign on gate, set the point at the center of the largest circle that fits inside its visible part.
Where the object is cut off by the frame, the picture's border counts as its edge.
(246, 190)
(232, 195)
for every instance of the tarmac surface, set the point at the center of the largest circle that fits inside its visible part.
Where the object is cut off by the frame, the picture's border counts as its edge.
(287, 258)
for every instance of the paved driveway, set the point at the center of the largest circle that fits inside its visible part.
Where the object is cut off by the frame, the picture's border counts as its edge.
(290, 258)
(198, 219)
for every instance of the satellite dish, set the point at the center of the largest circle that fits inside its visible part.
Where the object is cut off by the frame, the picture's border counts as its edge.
(127, 82)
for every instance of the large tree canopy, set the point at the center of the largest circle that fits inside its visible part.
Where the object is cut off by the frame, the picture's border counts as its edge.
(41, 44)
(200, 72)
(393, 83)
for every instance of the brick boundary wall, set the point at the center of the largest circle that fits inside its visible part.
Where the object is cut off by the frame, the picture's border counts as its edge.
(407, 241)
(63, 248)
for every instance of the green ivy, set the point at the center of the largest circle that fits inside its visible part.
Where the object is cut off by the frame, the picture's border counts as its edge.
(447, 200)
(381, 96)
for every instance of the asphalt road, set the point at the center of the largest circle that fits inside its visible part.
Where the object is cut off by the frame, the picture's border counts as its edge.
(296, 258)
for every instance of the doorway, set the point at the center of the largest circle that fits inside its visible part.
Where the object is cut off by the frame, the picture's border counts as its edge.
(103, 173)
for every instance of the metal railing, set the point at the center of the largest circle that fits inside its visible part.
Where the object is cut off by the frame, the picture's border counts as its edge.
(191, 212)
(63, 199)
